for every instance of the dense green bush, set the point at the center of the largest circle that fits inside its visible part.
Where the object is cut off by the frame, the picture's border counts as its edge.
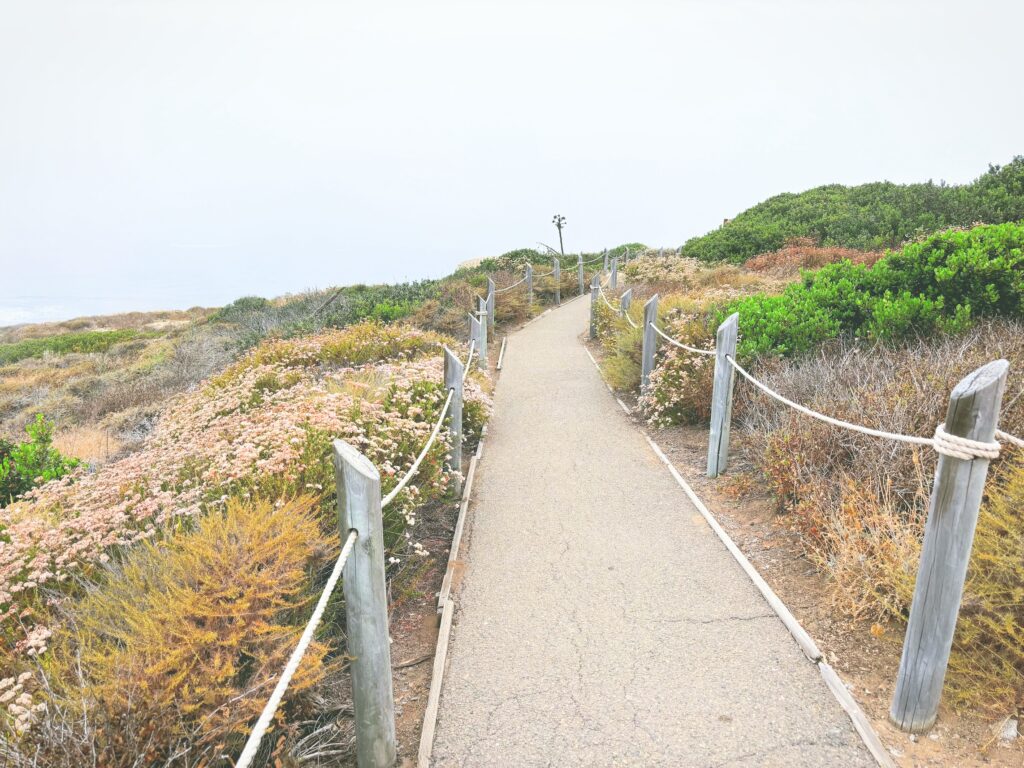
(65, 343)
(25, 465)
(939, 284)
(868, 216)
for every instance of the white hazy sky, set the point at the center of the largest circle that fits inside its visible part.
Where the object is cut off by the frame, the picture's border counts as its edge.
(169, 153)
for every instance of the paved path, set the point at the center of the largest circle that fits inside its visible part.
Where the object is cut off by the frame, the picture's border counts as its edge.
(600, 621)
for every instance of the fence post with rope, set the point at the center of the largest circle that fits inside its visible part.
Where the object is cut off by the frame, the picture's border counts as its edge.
(614, 280)
(605, 267)
(949, 532)
(474, 335)
(557, 271)
(595, 288)
(579, 273)
(453, 373)
(721, 398)
(624, 301)
(490, 303)
(366, 607)
(529, 284)
(650, 342)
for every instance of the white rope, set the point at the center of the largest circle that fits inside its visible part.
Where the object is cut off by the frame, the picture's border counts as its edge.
(600, 292)
(419, 459)
(545, 274)
(1009, 438)
(252, 745)
(591, 261)
(469, 360)
(680, 344)
(510, 287)
(942, 442)
(630, 320)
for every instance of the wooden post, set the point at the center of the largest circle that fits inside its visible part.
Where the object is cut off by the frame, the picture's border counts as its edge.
(624, 301)
(605, 267)
(481, 347)
(529, 283)
(490, 303)
(614, 281)
(595, 288)
(721, 398)
(474, 330)
(453, 369)
(650, 341)
(948, 534)
(661, 253)
(366, 607)
(558, 283)
(579, 273)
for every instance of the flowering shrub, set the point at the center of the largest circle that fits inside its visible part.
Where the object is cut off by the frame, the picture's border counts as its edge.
(680, 386)
(263, 429)
(35, 461)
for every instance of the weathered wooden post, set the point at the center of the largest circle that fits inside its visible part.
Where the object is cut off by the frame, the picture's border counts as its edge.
(661, 253)
(366, 607)
(650, 341)
(605, 267)
(453, 369)
(595, 288)
(721, 397)
(579, 273)
(973, 413)
(490, 303)
(482, 342)
(558, 283)
(624, 301)
(614, 281)
(474, 331)
(529, 283)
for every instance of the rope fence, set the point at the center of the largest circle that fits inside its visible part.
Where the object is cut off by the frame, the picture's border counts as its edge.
(969, 435)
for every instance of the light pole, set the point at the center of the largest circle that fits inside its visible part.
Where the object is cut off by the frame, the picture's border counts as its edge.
(559, 221)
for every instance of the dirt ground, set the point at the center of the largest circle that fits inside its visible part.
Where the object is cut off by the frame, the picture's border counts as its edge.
(867, 663)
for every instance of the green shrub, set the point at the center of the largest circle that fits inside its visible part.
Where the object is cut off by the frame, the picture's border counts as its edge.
(868, 217)
(938, 285)
(25, 465)
(66, 343)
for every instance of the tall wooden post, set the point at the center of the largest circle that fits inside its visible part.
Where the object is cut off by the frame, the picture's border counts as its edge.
(482, 344)
(661, 253)
(650, 342)
(529, 283)
(721, 398)
(579, 274)
(948, 534)
(490, 303)
(605, 267)
(366, 607)
(558, 283)
(624, 301)
(595, 288)
(614, 281)
(453, 370)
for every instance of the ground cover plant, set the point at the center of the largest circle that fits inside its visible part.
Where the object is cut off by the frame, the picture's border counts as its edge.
(78, 550)
(867, 217)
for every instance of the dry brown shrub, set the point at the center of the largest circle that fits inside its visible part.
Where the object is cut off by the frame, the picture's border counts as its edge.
(805, 253)
(860, 502)
(172, 655)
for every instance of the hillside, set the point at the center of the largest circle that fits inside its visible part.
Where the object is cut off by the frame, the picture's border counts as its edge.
(867, 217)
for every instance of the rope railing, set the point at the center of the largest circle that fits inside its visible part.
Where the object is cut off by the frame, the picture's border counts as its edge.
(469, 360)
(544, 274)
(510, 287)
(942, 442)
(252, 744)
(419, 459)
(680, 344)
(1009, 438)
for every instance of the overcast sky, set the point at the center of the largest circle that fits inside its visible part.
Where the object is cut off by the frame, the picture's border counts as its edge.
(166, 153)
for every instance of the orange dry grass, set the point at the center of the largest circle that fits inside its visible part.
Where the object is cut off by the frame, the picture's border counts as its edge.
(804, 253)
(89, 444)
(181, 645)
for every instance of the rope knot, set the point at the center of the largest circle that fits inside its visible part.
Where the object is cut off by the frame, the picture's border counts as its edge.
(963, 448)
